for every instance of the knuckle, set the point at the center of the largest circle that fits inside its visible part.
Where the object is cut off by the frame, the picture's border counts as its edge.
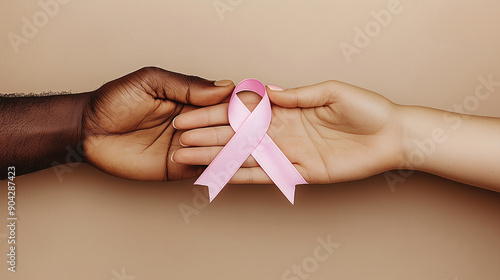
(191, 80)
(208, 115)
(210, 154)
(249, 177)
(332, 89)
(331, 85)
(218, 136)
(149, 70)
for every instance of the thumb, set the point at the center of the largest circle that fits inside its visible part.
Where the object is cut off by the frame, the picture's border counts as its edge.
(305, 97)
(186, 89)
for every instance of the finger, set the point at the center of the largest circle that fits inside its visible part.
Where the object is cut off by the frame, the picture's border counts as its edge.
(206, 116)
(251, 175)
(214, 115)
(207, 136)
(184, 88)
(305, 97)
(204, 156)
(256, 175)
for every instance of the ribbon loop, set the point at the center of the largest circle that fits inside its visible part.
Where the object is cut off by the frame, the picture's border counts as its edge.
(250, 138)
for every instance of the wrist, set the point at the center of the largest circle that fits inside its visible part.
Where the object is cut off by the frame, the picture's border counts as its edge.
(75, 134)
(63, 129)
(410, 131)
(40, 132)
(69, 139)
(423, 129)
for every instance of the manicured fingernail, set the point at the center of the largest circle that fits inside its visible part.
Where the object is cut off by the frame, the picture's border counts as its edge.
(275, 88)
(172, 157)
(223, 83)
(173, 122)
(181, 143)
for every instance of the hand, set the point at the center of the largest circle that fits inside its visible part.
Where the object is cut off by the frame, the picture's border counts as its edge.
(127, 124)
(331, 132)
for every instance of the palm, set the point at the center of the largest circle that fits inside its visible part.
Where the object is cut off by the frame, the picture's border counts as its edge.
(348, 139)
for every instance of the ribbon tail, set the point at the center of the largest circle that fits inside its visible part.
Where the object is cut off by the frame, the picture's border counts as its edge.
(213, 188)
(229, 159)
(278, 167)
(288, 188)
(288, 191)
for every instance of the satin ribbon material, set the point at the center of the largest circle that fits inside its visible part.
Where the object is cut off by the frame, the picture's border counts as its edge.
(250, 138)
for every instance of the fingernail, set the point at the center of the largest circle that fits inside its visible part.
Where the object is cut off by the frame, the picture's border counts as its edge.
(173, 122)
(275, 88)
(181, 143)
(172, 157)
(223, 83)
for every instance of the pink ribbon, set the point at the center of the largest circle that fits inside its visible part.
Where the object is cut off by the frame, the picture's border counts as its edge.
(250, 138)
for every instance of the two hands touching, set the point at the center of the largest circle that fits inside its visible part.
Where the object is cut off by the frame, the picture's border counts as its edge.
(158, 125)
(328, 137)
(334, 132)
(330, 132)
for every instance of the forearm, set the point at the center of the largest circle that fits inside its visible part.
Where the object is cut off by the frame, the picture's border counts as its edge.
(37, 132)
(459, 147)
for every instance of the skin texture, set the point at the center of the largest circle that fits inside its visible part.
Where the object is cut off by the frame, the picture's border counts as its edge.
(331, 132)
(335, 132)
(460, 147)
(123, 128)
(37, 132)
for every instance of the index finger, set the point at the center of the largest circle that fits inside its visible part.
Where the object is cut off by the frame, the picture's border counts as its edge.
(202, 117)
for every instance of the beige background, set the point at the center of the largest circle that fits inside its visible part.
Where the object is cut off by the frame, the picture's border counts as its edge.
(93, 226)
